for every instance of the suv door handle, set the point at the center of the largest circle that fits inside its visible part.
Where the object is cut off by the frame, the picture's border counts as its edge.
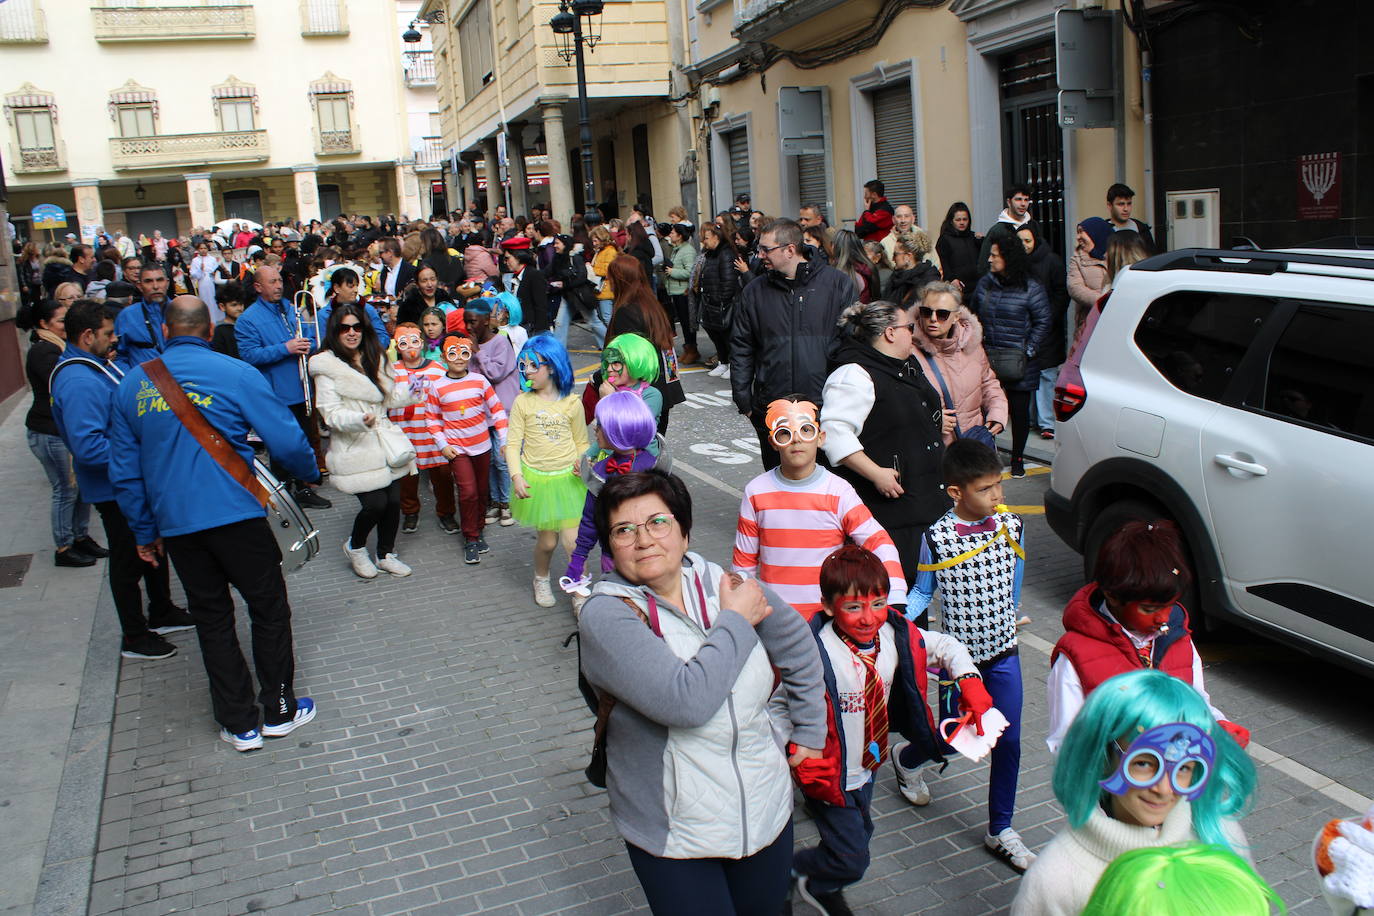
(1238, 464)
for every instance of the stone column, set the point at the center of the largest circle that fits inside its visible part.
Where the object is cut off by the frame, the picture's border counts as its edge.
(90, 213)
(492, 166)
(408, 191)
(560, 180)
(200, 200)
(307, 192)
(468, 179)
(515, 167)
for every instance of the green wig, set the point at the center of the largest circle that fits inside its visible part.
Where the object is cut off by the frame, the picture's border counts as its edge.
(638, 354)
(1127, 705)
(1185, 880)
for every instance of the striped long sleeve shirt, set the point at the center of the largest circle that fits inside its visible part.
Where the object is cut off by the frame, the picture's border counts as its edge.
(414, 420)
(462, 411)
(788, 527)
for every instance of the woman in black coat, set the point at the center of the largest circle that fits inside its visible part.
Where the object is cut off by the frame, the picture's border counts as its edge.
(1015, 313)
(715, 285)
(958, 248)
(1049, 270)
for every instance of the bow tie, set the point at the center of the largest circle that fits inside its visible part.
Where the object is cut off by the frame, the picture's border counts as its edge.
(986, 526)
(624, 466)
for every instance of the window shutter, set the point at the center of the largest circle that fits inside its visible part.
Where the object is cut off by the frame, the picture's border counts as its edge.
(811, 182)
(738, 143)
(893, 143)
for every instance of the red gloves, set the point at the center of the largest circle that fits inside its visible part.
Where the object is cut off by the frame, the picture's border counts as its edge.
(1238, 732)
(974, 699)
(817, 771)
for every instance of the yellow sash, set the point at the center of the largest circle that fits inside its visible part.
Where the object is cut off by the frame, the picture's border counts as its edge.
(1002, 532)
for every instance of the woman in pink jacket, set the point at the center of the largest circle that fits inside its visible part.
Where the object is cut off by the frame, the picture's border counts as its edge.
(479, 264)
(948, 342)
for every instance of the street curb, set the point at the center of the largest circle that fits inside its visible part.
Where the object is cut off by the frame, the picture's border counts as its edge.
(64, 886)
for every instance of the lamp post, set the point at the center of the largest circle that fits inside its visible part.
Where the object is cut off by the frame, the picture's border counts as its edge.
(568, 26)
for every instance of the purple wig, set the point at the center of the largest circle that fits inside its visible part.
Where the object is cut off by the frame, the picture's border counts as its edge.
(626, 420)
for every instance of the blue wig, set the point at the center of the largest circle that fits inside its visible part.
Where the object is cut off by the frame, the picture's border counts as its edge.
(1124, 707)
(511, 304)
(626, 420)
(544, 348)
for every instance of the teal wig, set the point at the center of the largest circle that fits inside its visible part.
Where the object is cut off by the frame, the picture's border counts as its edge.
(1127, 705)
(544, 348)
(511, 305)
(639, 356)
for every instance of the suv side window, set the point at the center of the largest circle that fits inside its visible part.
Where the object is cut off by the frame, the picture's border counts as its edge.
(1320, 370)
(1197, 339)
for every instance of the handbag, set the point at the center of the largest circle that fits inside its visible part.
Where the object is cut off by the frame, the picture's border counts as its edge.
(396, 446)
(1008, 363)
(978, 433)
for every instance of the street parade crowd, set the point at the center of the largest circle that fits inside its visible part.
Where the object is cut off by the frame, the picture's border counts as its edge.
(192, 388)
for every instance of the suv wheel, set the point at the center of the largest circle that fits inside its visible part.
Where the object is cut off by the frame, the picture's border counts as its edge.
(1119, 513)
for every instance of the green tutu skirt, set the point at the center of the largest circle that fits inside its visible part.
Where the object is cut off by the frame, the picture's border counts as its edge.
(555, 501)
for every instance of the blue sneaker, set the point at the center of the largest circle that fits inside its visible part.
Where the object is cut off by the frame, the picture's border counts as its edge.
(305, 711)
(250, 740)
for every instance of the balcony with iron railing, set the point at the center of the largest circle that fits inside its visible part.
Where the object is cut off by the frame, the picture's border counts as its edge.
(177, 150)
(35, 160)
(338, 142)
(419, 69)
(430, 154)
(759, 20)
(323, 18)
(168, 20)
(22, 23)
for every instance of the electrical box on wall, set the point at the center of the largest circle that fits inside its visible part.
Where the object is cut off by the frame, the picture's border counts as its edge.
(1088, 67)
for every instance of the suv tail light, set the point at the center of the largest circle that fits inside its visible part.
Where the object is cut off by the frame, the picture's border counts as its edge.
(1069, 398)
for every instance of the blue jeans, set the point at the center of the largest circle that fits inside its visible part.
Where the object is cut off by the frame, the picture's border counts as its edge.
(70, 516)
(1044, 397)
(563, 310)
(753, 886)
(603, 312)
(500, 474)
(1002, 679)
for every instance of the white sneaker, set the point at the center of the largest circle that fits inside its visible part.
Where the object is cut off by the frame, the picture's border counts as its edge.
(912, 781)
(543, 592)
(392, 564)
(493, 512)
(1009, 847)
(726, 373)
(506, 518)
(719, 370)
(359, 559)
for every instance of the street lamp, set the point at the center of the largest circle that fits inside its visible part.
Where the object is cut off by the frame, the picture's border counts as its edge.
(576, 23)
(412, 36)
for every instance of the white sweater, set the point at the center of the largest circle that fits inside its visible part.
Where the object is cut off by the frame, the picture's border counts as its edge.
(1062, 879)
(356, 461)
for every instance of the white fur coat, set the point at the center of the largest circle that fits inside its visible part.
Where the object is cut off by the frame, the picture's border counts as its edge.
(344, 395)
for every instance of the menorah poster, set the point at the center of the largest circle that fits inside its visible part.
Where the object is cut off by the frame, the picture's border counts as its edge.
(1319, 186)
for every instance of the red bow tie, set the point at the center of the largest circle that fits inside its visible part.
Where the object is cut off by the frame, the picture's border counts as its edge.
(624, 466)
(986, 526)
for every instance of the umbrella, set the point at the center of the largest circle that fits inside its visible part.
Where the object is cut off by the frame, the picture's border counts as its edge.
(227, 225)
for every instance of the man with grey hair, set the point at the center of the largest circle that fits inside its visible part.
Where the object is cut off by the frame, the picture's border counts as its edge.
(785, 328)
(903, 221)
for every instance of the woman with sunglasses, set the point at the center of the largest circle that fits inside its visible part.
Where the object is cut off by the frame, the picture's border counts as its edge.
(884, 424)
(699, 789)
(1144, 764)
(948, 343)
(354, 389)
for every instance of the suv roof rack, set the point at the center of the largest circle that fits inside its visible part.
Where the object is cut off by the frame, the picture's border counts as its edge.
(1352, 242)
(1246, 261)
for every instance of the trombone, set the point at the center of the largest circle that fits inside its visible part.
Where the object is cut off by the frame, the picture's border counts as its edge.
(297, 303)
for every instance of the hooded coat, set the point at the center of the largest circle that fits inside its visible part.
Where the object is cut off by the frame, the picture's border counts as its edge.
(356, 461)
(976, 394)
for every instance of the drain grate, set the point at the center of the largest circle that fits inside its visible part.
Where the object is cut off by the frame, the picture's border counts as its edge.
(14, 569)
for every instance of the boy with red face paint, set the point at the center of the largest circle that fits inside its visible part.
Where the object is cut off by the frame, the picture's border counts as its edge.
(1128, 618)
(413, 421)
(874, 663)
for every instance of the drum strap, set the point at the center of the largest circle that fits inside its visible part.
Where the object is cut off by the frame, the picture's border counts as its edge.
(215, 445)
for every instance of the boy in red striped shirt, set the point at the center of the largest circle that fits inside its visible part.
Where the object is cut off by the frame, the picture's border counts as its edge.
(463, 410)
(796, 515)
(414, 422)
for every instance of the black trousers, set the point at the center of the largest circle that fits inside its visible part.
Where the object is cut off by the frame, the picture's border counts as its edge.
(127, 570)
(244, 555)
(281, 473)
(1019, 405)
(380, 509)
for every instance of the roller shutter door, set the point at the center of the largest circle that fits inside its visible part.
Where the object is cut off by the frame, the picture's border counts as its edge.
(738, 143)
(893, 144)
(811, 184)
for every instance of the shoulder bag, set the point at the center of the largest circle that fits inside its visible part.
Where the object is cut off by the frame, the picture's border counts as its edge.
(978, 433)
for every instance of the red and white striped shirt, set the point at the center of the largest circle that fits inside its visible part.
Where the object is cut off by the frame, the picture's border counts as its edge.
(462, 410)
(414, 420)
(788, 527)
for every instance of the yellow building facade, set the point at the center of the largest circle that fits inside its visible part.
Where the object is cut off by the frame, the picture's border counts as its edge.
(174, 115)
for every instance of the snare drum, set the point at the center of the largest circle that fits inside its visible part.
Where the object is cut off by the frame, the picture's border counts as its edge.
(299, 542)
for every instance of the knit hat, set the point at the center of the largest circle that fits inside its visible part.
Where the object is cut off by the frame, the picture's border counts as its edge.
(1100, 231)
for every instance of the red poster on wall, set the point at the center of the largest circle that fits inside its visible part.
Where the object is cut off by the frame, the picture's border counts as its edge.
(1319, 186)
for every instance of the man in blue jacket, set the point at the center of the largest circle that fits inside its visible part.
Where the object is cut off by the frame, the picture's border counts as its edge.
(139, 326)
(83, 383)
(266, 334)
(179, 499)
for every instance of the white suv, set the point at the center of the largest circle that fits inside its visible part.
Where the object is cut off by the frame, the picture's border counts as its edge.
(1233, 392)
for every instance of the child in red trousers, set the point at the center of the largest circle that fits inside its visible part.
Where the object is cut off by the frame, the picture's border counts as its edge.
(874, 662)
(1128, 618)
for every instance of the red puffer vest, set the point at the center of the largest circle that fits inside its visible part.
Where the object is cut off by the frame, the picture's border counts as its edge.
(1099, 648)
(908, 712)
